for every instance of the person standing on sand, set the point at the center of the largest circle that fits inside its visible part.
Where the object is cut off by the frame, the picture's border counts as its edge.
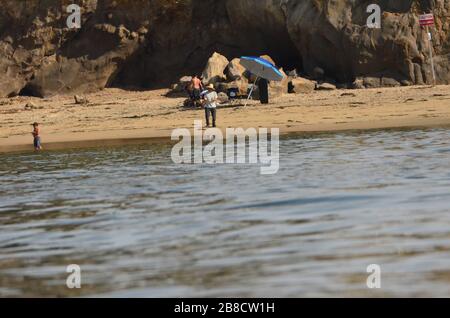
(263, 91)
(36, 137)
(197, 88)
(210, 102)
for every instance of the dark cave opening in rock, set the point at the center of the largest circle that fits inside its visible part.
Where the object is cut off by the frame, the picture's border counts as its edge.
(179, 47)
(27, 91)
(165, 68)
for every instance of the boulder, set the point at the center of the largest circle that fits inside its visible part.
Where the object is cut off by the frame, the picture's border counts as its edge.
(80, 100)
(214, 70)
(277, 89)
(372, 82)
(223, 97)
(241, 86)
(221, 87)
(358, 84)
(300, 85)
(268, 58)
(182, 84)
(30, 106)
(406, 83)
(325, 87)
(389, 82)
(185, 80)
(234, 70)
(293, 73)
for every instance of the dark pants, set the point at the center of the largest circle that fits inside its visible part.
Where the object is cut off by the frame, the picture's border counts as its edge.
(196, 96)
(213, 113)
(37, 142)
(190, 93)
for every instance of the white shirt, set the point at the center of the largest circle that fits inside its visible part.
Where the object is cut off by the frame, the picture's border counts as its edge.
(211, 98)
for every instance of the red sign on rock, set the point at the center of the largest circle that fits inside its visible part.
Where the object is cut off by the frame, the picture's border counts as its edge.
(426, 19)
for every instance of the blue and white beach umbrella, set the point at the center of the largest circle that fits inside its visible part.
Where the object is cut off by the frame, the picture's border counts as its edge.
(261, 68)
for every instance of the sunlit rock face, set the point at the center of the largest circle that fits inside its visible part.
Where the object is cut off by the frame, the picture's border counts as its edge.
(334, 36)
(137, 43)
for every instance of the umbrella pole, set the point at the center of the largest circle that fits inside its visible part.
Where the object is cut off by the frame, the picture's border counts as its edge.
(251, 91)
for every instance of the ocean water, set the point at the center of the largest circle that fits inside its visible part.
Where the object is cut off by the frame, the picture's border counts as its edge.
(139, 225)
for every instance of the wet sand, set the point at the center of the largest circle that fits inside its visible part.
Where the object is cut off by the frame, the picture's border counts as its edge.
(116, 116)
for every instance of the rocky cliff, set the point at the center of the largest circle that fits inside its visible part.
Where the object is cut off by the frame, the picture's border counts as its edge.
(150, 43)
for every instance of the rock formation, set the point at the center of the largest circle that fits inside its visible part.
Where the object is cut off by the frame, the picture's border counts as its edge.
(214, 71)
(151, 43)
(234, 70)
(301, 85)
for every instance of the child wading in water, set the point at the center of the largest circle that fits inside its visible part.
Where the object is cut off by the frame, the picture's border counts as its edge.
(37, 137)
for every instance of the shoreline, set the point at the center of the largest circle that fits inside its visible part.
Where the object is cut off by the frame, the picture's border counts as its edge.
(117, 117)
(64, 142)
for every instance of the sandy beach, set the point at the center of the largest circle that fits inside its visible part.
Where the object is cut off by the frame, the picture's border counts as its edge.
(117, 116)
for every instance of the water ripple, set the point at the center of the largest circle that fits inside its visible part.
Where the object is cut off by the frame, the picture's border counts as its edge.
(142, 226)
